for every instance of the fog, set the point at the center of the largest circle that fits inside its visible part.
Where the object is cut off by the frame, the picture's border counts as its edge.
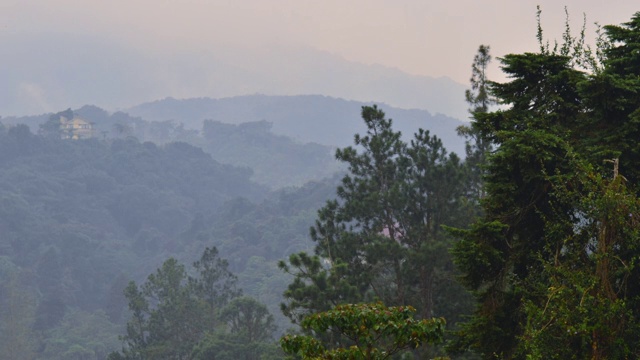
(116, 54)
(159, 159)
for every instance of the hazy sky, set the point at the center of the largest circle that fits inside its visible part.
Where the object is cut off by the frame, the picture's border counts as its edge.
(422, 37)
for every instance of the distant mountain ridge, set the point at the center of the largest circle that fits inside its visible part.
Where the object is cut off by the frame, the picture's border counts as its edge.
(305, 118)
(101, 71)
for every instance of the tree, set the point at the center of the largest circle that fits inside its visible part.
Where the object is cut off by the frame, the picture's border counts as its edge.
(52, 128)
(171, 313)
(167, 319)
(373, 331)
(248, 319)
(81, 335)
(215, 283)
(248, 335)
(552, 260)
(175, 316)
(479, 99)
(479, 96)
(587, 308)
(382, 239)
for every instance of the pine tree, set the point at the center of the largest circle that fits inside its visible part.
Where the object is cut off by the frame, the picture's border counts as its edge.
(479, 99)
(382, 239)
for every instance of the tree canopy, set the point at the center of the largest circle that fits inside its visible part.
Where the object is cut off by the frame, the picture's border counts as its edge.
(176, 316)
(373, 331)
(552, 260)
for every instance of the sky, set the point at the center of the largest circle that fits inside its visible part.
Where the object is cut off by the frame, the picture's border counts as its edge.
(419, 37)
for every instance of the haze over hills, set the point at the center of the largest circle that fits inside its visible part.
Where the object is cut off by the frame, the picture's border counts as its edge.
(285, 140)
(312, 118)
(47, 74)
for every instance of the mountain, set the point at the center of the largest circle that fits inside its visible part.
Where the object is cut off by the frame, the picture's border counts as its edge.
(276, 161)
(305, 118)
(57, 71)
(284, 140)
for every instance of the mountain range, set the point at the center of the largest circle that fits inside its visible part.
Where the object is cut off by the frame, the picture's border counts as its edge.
(49, 73)
(305, 118)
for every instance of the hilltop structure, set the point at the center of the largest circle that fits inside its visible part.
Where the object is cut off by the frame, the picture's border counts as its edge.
(76, 128)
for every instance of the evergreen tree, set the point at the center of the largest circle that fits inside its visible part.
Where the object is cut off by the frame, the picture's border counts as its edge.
(249, 335)
(479, 96)
(174, 316)
(479, 99)
(382, 238)
(215, 283)
(167, 319)
(540, 260)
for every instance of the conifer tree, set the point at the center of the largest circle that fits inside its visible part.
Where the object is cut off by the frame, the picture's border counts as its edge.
(479, 99)
(175, 316)
(553, 259)
(382, 239)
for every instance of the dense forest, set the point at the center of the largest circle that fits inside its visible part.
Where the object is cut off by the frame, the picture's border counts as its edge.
(276, 161)
(525, 248)
(82, 218)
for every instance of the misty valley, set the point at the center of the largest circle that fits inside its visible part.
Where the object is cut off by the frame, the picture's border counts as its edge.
(312, 227)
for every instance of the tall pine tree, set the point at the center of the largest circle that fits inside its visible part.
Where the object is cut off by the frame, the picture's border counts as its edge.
(382, 239)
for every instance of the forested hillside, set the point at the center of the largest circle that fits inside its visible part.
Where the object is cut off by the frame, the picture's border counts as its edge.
(285, 140)
(276, 161)
(79, 219)
(309, 118)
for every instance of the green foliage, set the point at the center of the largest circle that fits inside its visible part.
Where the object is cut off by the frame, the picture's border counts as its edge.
(383, 239)
(81, 335)
(230, 347)
(249, 327)
(477, 147)
(215, 283)
(248, 319)
(586, 301)
(479, 97)
(82, 218)
(276, 160)
(171, 313)
(373, 330)
(175, 316)
(552, 262)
